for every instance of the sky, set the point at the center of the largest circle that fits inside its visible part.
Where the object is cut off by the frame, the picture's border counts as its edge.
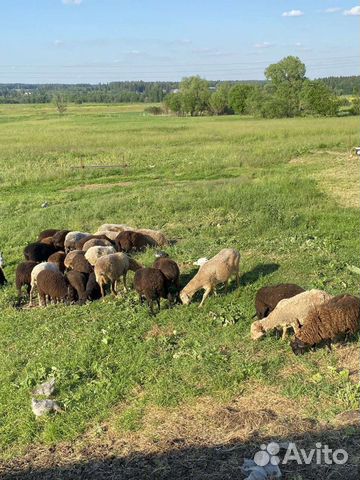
(98, 41)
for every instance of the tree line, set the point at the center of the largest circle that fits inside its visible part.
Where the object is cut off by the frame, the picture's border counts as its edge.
(286, 93)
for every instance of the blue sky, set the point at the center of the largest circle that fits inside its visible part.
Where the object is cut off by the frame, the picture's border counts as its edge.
(75, 41)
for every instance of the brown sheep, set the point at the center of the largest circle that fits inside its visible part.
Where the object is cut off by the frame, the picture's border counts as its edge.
(268, 297)
(75, 260)
(38, 252)
(52, 284)
(47, 233)
(338, 316)
(23, 276)
(171, 271)
(151, 284)
(129, 240)
(58, 258)
(59, 239)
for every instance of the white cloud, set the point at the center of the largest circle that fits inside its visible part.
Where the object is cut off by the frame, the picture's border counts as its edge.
(71, 2)
(263, 45)
(332, 10)
(293, 13)
(354, 11)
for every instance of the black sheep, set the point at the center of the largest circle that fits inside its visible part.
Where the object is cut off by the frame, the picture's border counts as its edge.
(38, 252)
(171, 271)
(23, 276)
(3, 280)
(268, 297)
(52, 284)
(93, 291)
(59, 239)
(151, 284)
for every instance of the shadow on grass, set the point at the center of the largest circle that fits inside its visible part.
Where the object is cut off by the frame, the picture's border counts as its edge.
(261, 270)
(180, 461)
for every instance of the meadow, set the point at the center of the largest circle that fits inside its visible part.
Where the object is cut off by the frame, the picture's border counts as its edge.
(283, 192)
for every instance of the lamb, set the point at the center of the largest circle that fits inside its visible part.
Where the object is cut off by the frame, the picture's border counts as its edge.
(170, 270)
(23, 276)
(73, 237)
(47, 233)
(38, 252)
(35, 272)
(133, 241)
(58, 258)
(94, 253)
(96, 242)
(217, 270)
(337, 317)
(52, 284)
(109, 269)
(290, 312)
(59, 239)
(75, 260)
(268, 297)
(151, 283)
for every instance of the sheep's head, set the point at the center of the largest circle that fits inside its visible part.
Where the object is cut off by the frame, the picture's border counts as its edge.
(185, 298)
(257, 331)
(299, 347)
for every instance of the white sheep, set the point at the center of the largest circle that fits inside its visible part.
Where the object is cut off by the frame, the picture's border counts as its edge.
(94, 253)
(290, 312)
(217, 270)
(35, 272)
(71, 239)
(110, 268)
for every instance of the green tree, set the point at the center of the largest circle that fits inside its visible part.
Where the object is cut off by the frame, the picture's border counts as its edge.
(318, 99)
(355, 106)
(238, 96)
(195, 95)
(219, 100)
(60, 103)
(261, 102)
(174, 103)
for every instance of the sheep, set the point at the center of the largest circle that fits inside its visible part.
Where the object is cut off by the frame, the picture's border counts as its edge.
(92, 288)
(170, 270)
(73, 237)
(80, 243)
(113, 227)
(35, 272)
(289, 312)
(47, 233)
(268, 297)
(96, 242)
(133, 241)
(47, 241)
(23, 276)
(77, 283)
(96, 252)
(75, 260)
(59, 239)
(338, 316)
(152, 284)
(109, 269)
(217, 270)
(52, 284)
(58, 258)
(154, 235)
(109, 234)
(38, 252)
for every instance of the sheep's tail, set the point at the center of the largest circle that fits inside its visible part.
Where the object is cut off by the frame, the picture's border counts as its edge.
(134, 265)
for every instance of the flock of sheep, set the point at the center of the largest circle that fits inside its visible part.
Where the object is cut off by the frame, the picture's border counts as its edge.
(77, 266)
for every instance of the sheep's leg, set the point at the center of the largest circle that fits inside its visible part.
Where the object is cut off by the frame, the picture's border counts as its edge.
(101, 285)
(285, 329)
(226, 286)
(151, 306)
(31, 296)
(124, 280)
(113, 288)
(206, 294)
(158, 303)
(42, 300)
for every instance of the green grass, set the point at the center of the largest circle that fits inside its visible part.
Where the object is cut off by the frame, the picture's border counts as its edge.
(210, 183)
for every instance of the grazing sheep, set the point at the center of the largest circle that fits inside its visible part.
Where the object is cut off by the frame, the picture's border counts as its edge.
(59, 239)
(75, 260)
(154, 235)
(48, 241)
(133, 241)
(289, 312)
(52, 284)
(35, 272)
(71, 239)
(113, 227)
(109, 269)
(77, 285)
(47, 233)
(94, 253)
(151, 284)
(217, 270)
(38, 252)
(93, 291)
(3, 280)
(337, 317)
(58, 258)
(109, 234)
(268, 297)
(170, 270)
(96, 242)
(23, 276)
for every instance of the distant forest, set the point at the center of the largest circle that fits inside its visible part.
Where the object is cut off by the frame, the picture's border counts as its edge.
(129, 92)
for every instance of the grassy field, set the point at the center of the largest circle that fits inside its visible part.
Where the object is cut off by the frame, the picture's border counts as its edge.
(284, 192)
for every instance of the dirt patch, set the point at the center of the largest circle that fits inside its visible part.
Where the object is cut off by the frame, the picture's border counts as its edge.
(97, 186)
(204, 440)
(348, 359)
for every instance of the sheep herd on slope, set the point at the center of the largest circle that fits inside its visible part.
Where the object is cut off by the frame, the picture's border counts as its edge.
(72, 266)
